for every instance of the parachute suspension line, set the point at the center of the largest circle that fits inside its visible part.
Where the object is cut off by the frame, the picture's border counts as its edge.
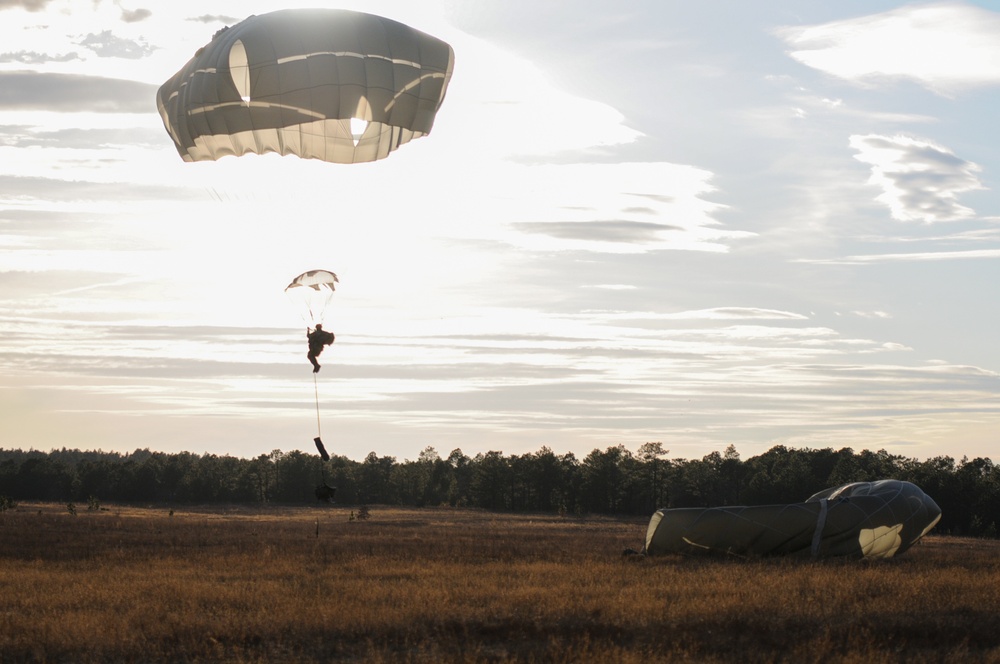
(319, 433)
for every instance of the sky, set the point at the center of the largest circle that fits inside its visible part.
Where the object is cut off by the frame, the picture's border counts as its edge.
(701, 224)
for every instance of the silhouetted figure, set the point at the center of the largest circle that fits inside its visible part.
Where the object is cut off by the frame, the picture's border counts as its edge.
(318, 339)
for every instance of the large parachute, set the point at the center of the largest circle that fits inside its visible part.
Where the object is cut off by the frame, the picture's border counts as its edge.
(329, 84)
(311, 292)
(862, 520)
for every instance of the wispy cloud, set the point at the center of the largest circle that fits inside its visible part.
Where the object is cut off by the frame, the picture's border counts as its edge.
(513, 93)
(717, 313)
(14, 187)
(29, 5)
(21, 136)
(613, 287)
(945, 47)
(906, 257)
(920, 181)
(215, 18)
(35, 58)
(633, 232)
(107, 45)
(135, 15)
(70, 93)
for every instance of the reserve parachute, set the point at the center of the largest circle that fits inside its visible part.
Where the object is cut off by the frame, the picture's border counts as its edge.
(878, 519)
(329, 84)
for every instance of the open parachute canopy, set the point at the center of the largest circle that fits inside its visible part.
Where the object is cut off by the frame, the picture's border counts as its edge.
(860, 520)
(329, 84)
(311, 292)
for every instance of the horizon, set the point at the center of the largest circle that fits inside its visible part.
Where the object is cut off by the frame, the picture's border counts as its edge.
(444, 454)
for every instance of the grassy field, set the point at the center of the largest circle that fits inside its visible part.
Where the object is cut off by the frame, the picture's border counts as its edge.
(308, 584)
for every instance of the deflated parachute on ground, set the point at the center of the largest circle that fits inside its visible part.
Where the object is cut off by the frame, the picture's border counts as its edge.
(311, 292)
(328, 84)
(862, 520)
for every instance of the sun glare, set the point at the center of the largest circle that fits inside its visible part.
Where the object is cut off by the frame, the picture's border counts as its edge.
(358, 127)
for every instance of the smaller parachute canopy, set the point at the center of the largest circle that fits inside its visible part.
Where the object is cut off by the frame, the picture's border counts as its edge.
(311, 293)
(315, 279)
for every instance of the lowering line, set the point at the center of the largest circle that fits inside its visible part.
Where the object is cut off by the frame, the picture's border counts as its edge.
(318, 439)
(319, 434)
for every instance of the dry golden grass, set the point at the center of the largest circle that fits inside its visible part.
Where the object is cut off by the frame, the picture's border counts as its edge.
(444, 585)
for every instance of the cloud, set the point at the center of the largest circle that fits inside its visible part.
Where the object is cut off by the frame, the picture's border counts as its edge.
(107, 45)
(215, 18)
(944, 47)
(920, 181)
(613, 287)
(28, 5)
(22, 136)
(23, 188)
(592, 207)
(35, 58)
(495, 89)
(135, 15)
(21, 285)
(737, 313)
(715, 313)
(70, 93)
(633, 232)
(906, 257)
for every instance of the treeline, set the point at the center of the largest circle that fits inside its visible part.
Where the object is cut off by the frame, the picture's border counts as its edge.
(611, 481)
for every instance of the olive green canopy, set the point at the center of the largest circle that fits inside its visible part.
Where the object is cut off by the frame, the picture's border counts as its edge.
(862, 520)
(327, 84)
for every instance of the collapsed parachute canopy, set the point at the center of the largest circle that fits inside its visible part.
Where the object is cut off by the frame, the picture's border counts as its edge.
(862, 520)
(328, 84)
(311, 293)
